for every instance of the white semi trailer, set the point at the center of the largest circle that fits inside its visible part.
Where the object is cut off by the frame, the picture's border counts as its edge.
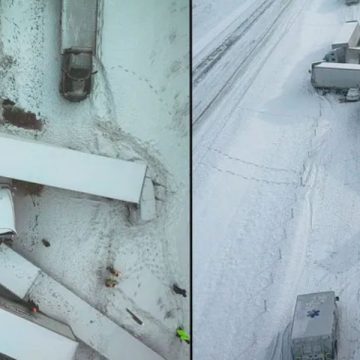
(7, 213)
(335, 75)
(78, 46)
(348, 36)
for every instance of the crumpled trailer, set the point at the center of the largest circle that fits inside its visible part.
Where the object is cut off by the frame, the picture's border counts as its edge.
(78, 46)
(314, 330)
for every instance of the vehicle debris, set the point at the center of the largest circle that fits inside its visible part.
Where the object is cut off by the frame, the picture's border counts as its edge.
(178, 290)
(138, 320)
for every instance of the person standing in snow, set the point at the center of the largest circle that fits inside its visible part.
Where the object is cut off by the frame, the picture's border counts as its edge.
(111, 283)
(182, 335)
(178, 290)
(113, 271)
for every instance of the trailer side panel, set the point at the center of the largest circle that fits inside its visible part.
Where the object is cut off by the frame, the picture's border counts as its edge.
(335, 76)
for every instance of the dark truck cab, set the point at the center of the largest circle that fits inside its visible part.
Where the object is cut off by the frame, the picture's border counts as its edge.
(77, 64)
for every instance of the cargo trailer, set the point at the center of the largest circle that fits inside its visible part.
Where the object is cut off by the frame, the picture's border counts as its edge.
(335, 75)
(348, 36)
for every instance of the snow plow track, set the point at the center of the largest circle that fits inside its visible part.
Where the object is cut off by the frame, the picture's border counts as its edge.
(215, 56)
(242, 44)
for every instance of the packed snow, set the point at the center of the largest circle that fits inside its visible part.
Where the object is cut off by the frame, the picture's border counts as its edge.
(138, 111)
(276, 184)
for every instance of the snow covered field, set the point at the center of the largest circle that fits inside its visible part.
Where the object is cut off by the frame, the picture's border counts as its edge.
(138, 111)
(276, 189)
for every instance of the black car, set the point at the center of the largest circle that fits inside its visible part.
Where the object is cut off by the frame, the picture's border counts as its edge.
(77, 66)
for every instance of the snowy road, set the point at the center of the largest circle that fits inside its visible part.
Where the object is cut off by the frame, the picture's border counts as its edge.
(276, 194)
(222, 60)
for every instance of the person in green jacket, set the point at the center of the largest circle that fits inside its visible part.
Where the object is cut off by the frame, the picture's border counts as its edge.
(183, 335)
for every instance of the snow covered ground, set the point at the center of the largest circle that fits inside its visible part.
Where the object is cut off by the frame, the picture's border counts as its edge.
(138, 111)
(276, 191)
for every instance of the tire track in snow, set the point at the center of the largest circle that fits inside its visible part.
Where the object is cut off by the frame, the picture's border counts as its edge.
(216, 55)
(300, 228)
(206, 135)
(250, 178)
(252, 163)
(201, 88)
(156, 92)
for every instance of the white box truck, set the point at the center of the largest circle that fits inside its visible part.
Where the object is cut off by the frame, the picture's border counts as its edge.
(314, 332)
(78, 46)
(335, 75)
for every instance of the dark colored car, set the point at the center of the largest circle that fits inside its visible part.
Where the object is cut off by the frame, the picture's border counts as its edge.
(77, 66)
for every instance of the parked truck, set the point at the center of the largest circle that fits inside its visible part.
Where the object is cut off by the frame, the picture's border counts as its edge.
(314, 333)
(78, 47)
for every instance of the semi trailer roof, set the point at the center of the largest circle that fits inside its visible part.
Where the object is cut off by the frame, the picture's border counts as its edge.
(343, 66)
(314, 315)
(348, 35)
(73, 170)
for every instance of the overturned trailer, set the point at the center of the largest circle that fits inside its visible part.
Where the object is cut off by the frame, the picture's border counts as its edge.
(335, 75)
(314, 330)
